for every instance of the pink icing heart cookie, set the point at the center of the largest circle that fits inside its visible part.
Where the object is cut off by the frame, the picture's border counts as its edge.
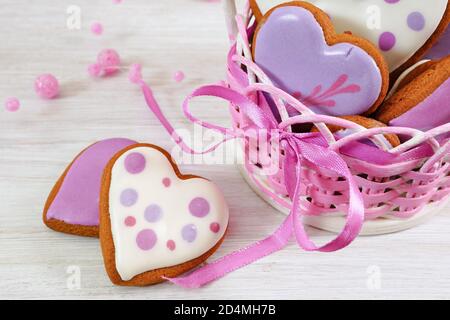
(422, 102)
(334, 74)
(441, 48)
(154, 221)
(72, 206)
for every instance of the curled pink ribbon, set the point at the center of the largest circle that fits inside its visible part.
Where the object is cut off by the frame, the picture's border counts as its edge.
(299, 149)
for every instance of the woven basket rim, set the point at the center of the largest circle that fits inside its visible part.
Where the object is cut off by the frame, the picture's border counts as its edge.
(414, 176)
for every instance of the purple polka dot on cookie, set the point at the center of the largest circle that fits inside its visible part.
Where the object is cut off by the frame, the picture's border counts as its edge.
(391, 1)
(171, 245)
(189, 233)
(199, 207)
(135, 163)
(146, 239)
(167, 182)
(416, 21)
(128, 197)
(153, 213)
(130, 221)
(387, 41)
(214, 227)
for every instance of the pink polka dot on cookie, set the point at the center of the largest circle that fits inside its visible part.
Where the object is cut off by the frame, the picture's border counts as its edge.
(171, 245)
(391, 1)
(130, 221)
(199, 207)
(214, 227)
(135, 163)
(387, 41)
(146, 239)
(166, 182)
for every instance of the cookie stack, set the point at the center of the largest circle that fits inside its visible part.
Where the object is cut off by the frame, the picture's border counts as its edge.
(153, 222)
(360, 60)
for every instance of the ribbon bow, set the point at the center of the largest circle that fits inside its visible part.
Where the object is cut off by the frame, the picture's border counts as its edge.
(299, 149)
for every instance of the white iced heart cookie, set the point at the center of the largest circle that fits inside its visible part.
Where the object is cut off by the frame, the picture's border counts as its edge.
(154, 221)
(402, 29)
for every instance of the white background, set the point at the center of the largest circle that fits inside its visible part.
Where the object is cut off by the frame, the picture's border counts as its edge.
(39, 141)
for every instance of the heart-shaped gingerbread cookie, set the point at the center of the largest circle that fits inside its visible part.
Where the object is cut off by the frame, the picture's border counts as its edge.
(389, 140)
(154, 221)
(72, 206)
(441, 48)
(420, 102)
(296, 46)
(403, 30)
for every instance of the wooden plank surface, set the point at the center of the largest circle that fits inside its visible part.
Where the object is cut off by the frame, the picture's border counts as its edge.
(41, 139)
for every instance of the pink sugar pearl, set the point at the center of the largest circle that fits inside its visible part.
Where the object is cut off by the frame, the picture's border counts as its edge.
(46, 86)
(109, 60)
(179, 76)
(135, 74)
(95, 70)
(97, 28)
(12, 104)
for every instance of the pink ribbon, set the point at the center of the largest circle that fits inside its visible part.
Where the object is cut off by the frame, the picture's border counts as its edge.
(299, 149)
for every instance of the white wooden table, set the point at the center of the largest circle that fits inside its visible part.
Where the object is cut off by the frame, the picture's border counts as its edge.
(38, 142)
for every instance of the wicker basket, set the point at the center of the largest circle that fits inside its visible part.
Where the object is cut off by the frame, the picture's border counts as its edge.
(396, 196)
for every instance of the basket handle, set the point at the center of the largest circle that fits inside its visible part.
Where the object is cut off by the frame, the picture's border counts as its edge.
(229, 7)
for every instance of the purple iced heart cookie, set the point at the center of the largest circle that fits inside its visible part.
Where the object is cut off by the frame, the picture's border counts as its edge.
(421, 103)
(73, 204)
(441, 48)
(331, 74)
